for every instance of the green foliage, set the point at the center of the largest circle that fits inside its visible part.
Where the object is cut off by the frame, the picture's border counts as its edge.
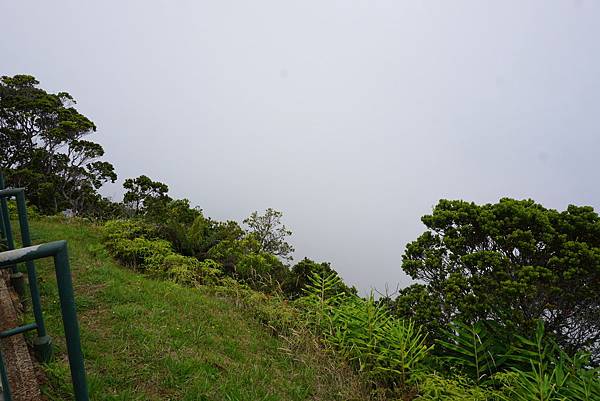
(321, 295)
(262, 271)
(548, 373)
(388, 350)
(402, 352)
(357, 327)
(473, 349)
(418, 303)
(142, 192)
(148, 339)
(270, 233)
(271, 310)
(301, 272)
(184, 269)
(129, 229)
(133, 242)
(138, 252)
(205, 233)
(243, 260)
(241, 255)
(434, 387)
(513, 262)
(44, 148)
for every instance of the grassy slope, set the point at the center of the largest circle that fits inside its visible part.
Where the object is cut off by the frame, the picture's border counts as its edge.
(147, 340)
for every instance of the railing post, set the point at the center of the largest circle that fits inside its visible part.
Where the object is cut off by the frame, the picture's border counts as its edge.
(42, 343)
(16, 277)
(4, 376)
(69, 316)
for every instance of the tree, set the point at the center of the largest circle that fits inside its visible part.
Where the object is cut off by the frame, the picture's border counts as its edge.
(512, 262)
(270, 233)
(204, 233)
(244, 260)
(300, 273)
(141, 191)
(44, 147)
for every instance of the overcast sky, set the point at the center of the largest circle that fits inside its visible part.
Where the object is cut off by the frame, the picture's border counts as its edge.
(351, 117)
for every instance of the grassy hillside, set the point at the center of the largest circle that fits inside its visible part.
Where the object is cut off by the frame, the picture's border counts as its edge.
(145, 339)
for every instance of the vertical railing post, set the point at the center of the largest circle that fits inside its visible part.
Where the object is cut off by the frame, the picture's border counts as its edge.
(42, 343)
(4, 376)
(16, 277)
(69, 316)
(2, 229)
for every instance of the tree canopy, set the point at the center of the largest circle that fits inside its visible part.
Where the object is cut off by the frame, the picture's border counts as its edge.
(44, 147)
(270, 233)
(513, 262)
(142, 191)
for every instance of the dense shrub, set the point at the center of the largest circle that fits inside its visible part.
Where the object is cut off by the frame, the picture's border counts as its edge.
(435, 387)
(184, 269)
(133, 243)
(127, 229)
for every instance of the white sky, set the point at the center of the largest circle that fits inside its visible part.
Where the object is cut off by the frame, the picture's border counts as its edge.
(351, 117)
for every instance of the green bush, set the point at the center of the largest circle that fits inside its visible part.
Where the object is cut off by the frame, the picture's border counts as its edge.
(127, 229)
(138, 252)
(433, 387)
(185, 270)
(132, 242)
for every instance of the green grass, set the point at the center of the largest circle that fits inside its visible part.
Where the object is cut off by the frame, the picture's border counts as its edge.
(145, 339)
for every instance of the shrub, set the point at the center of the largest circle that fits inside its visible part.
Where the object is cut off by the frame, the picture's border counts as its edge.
(132, 242)
(127, 229)
(185, 270)
(433, 387)
(138, 252)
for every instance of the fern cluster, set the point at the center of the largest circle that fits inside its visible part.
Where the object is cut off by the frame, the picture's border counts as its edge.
(387, 350)
(472, 362)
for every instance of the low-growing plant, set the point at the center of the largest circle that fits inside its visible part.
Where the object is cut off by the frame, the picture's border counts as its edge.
(185, 270)
(434, 387)
(551, 374)
(387, 350)
(473, 349)
(138, 252)
(131, 242)
(404, 351)
(320, 295)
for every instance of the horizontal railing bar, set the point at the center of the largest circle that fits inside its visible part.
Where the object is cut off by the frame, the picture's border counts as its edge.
(8, 258)
(6, 193)
(18, 330)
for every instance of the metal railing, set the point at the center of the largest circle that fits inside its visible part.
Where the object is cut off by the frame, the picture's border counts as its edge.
(9, 259)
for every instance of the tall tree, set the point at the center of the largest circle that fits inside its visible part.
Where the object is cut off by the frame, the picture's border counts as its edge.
(512, 262)
(270, 233)
(141, 191)
(44, 146)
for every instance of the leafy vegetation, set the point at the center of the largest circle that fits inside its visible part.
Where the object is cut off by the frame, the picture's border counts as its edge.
(44, 148)
(148, 339)
(513, 262)
(505, 304)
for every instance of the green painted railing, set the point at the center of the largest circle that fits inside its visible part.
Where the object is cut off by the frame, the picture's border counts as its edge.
(9, 260)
